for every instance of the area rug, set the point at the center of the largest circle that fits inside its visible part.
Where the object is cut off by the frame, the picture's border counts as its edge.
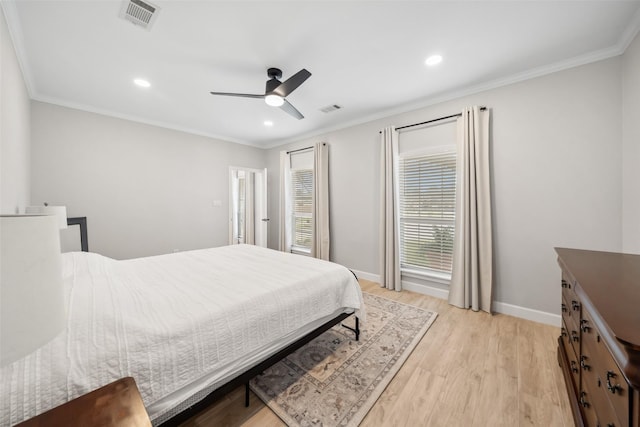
(335, 380)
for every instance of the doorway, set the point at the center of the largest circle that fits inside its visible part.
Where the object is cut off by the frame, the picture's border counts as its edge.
(248, 220)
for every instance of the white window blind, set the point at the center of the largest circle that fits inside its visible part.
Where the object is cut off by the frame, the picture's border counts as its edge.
(302, 193)
(427, 211)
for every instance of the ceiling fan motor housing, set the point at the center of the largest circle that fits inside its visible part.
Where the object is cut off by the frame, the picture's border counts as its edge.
(274, 73)
(273, 82)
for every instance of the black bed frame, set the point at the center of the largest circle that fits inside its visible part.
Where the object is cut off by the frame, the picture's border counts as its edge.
(82, 222)
(245, 377)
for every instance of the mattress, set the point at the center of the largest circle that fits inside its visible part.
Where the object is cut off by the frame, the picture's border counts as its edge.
(180, 324)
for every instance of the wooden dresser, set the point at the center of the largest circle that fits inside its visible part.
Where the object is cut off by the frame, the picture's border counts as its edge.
(599, 346)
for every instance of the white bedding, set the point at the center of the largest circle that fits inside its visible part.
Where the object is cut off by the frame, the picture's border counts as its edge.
(177, 323)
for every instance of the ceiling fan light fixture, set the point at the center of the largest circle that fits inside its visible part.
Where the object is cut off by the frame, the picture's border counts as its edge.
(274, 100)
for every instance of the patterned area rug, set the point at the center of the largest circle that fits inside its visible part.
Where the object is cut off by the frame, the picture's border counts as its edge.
(334, 380)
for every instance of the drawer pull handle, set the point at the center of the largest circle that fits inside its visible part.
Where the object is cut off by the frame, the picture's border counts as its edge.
(575, 336)
(584, 325)
(583, 401)
(574, 368)
(564, 307)
(563, 332)
(613, 388)
(564, 283)
(583, 364)
(575, 305)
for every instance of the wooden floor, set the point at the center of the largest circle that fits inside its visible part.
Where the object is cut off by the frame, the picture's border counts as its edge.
(470, 369)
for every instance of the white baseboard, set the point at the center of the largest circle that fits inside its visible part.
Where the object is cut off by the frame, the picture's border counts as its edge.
(425, 289)
(498, 307)
(527, 313)
(367, 276)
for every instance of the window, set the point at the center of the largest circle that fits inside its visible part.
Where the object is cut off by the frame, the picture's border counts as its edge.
(301, 201)
(427, 212)
(299, 177)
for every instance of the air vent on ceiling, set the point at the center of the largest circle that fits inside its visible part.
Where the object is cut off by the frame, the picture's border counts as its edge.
(139, 12)
(330, 108)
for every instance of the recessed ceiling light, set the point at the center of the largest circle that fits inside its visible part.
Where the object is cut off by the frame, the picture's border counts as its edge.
(268, 123)
(433, 60)
(142, 83)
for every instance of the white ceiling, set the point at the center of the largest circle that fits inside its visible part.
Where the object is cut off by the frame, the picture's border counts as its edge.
(365, 56)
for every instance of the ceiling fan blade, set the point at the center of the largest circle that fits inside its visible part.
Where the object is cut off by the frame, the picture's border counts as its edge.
(290, 109)
(242, 95)
(292, 83)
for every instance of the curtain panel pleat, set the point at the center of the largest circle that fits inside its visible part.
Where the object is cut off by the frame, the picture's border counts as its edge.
(235, 208)
(472, 272)
(249, 208)
(285, 239)
(320, 238)
(389, 212)
(320, 204)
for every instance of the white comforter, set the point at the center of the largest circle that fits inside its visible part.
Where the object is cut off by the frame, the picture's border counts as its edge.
(177, 323)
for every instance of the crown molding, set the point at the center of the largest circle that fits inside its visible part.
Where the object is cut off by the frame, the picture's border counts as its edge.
(629, 33)
(136, 119)
(15, 33)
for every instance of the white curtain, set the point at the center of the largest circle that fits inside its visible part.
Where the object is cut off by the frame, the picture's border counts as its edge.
(249, 208)
(235, 208)
(472, 274)
(285, 208)
(389, 221)
(320, 207)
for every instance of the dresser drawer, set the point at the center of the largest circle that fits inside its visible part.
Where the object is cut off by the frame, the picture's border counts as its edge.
(571, 324)
(568, 282)
(588, 409)
(604, 372)
(568, 308)
(574, 363)
(596, 390)
(607, 416)
(597, 409)
(614, 385)
(571, 309)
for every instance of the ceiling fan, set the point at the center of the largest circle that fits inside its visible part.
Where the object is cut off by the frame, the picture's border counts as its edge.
(276, 91)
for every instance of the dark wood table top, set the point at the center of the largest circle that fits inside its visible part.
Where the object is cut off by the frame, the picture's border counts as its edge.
(116, 404)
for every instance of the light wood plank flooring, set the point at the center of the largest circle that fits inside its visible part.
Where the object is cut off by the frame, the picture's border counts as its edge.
(470, 369)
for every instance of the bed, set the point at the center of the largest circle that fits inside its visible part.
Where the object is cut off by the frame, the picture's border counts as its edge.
(183, 325)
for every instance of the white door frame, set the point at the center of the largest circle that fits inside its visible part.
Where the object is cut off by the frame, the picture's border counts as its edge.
(260, 204)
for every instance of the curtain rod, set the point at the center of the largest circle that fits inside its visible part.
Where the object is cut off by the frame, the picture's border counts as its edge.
(302, 149)
(434, 120)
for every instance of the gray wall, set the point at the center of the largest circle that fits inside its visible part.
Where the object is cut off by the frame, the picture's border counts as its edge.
(556, 157)
(145, 190)
(14, 129)
(631, 148)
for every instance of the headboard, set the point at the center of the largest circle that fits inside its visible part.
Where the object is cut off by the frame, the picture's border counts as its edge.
(82, 222)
